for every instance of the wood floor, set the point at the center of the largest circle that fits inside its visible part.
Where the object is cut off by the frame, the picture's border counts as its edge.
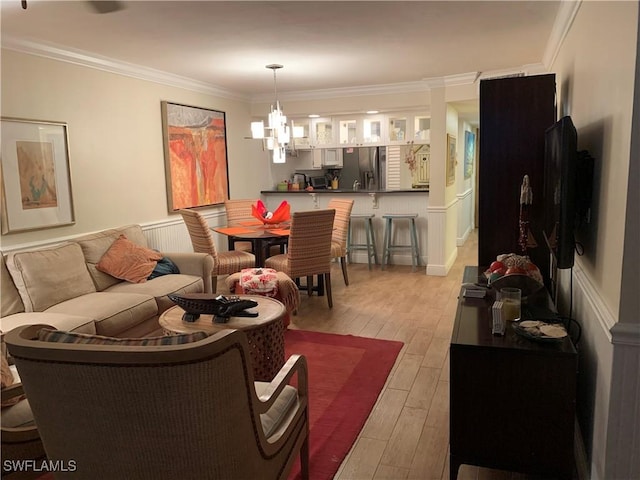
(407, 434)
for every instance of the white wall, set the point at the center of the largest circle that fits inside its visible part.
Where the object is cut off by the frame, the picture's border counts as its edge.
(595, 71)
(115, 137)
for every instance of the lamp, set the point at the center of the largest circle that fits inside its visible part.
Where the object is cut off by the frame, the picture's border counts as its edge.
(277, 135)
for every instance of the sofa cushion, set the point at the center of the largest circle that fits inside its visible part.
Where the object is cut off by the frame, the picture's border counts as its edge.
(9, 296)
(282, 408)
(49, 335)
(162, 286)
(48, 276)
(62, 321)
(113, 312)
(128, 261)
(18, 415)
(95, 245)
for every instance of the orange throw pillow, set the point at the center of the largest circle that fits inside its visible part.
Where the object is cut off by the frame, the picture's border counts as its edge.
(128, 261)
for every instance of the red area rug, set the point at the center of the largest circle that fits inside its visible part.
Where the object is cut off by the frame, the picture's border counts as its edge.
(346, 375)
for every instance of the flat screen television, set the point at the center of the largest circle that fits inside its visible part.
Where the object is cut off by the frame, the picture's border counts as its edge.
(560, 191)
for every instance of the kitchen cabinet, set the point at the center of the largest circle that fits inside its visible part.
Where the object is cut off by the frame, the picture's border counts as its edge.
(317, 133)
(360, 130)
(407, 127)
(332, 157)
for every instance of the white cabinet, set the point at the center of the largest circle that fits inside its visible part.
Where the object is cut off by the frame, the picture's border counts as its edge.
(357, 130)
(405, 128)
(316, 158)
(332, 157)
(317, 133)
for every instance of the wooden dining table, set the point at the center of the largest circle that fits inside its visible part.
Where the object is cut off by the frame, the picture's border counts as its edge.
(262, 236)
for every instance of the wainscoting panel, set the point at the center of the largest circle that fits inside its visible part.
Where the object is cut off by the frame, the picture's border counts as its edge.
(465, 216)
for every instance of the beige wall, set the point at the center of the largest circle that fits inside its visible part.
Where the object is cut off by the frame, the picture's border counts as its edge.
(595, 71)
(115, 136)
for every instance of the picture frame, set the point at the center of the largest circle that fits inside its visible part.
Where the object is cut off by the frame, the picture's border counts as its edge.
(195, 155)
(35, 175)
(451, 159)
(469, 153)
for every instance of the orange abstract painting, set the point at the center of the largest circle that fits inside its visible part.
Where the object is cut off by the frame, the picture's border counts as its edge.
(195, 156)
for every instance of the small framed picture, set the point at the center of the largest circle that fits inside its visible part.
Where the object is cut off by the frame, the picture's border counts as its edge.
(36, 177)
(451, 159)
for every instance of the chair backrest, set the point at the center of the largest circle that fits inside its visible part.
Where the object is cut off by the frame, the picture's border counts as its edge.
(200, 233)
(169, 411)
(341, 222)
(239, 211)
(309, 249)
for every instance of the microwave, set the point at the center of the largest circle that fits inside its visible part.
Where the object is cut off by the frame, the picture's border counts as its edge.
(319, 182)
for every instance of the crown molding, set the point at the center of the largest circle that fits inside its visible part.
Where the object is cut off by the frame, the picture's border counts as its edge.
(392, 88)
(564, 19)
(86, 59)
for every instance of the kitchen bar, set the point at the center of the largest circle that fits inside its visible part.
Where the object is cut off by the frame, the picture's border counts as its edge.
(371, 202)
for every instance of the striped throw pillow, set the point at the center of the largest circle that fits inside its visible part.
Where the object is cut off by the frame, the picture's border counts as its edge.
(60, 336)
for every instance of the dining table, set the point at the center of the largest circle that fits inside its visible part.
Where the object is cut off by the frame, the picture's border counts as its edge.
(262, 236)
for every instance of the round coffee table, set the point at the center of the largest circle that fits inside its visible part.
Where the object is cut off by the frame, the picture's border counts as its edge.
(265, 333)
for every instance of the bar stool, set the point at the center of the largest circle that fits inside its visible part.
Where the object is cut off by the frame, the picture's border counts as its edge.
(388, 235)
(370, 245)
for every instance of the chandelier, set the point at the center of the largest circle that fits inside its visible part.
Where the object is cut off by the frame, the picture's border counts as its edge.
(277, 134)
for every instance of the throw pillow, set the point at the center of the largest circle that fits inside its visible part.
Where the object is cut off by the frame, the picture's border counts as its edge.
(164, 267)
(60, 336)
(128, 261)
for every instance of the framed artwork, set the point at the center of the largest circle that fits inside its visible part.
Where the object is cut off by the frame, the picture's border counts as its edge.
(451, 159)
(36, 179)
(195, 156)
(469, 153)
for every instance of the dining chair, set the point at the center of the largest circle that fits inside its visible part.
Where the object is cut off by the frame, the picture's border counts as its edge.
(179, 408)
(341, 232)
(309, 250)
(202, 240)
(239, 211)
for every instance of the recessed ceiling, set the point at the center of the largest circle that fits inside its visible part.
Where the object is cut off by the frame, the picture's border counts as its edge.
(322, 45)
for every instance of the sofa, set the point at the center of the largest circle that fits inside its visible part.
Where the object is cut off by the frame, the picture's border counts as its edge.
(66, 286)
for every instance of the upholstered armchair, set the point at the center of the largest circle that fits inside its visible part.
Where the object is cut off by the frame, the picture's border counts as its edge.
(186, 410)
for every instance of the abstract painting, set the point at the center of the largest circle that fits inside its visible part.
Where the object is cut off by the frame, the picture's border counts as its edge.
(36, 181)
(469, 153)
(195, 152)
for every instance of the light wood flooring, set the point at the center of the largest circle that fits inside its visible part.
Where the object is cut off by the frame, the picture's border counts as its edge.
(407, 434)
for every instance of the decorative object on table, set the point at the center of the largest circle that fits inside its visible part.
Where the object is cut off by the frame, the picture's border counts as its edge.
(516, 271)
(278, 134)
(540, 331)
(525, 238)
(36, 177)
(469, 153)
(451, 160)
(279, 215)
(221, 307)
(195, 155)
(511, 299)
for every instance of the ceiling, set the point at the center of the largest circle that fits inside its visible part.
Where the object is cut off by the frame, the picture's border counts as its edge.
(322, 44)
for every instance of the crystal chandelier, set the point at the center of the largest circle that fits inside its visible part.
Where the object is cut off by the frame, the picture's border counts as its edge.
(277, 134)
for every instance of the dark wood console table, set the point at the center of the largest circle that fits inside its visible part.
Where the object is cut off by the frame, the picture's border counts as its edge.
(512, 400)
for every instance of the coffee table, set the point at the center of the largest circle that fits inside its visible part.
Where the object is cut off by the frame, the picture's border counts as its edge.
(265, 333)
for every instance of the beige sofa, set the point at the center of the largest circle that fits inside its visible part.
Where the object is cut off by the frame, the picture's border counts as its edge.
(61, 286)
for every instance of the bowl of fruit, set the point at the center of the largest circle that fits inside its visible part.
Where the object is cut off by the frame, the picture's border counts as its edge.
(514, 271)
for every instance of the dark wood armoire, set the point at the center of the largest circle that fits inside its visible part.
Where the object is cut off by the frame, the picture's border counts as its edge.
(514, 115)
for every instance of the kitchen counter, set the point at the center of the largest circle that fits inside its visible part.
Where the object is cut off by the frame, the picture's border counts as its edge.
(355, 192)
(372, 202)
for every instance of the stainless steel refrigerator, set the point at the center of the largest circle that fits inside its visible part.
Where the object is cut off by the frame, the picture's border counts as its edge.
(366, 165)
